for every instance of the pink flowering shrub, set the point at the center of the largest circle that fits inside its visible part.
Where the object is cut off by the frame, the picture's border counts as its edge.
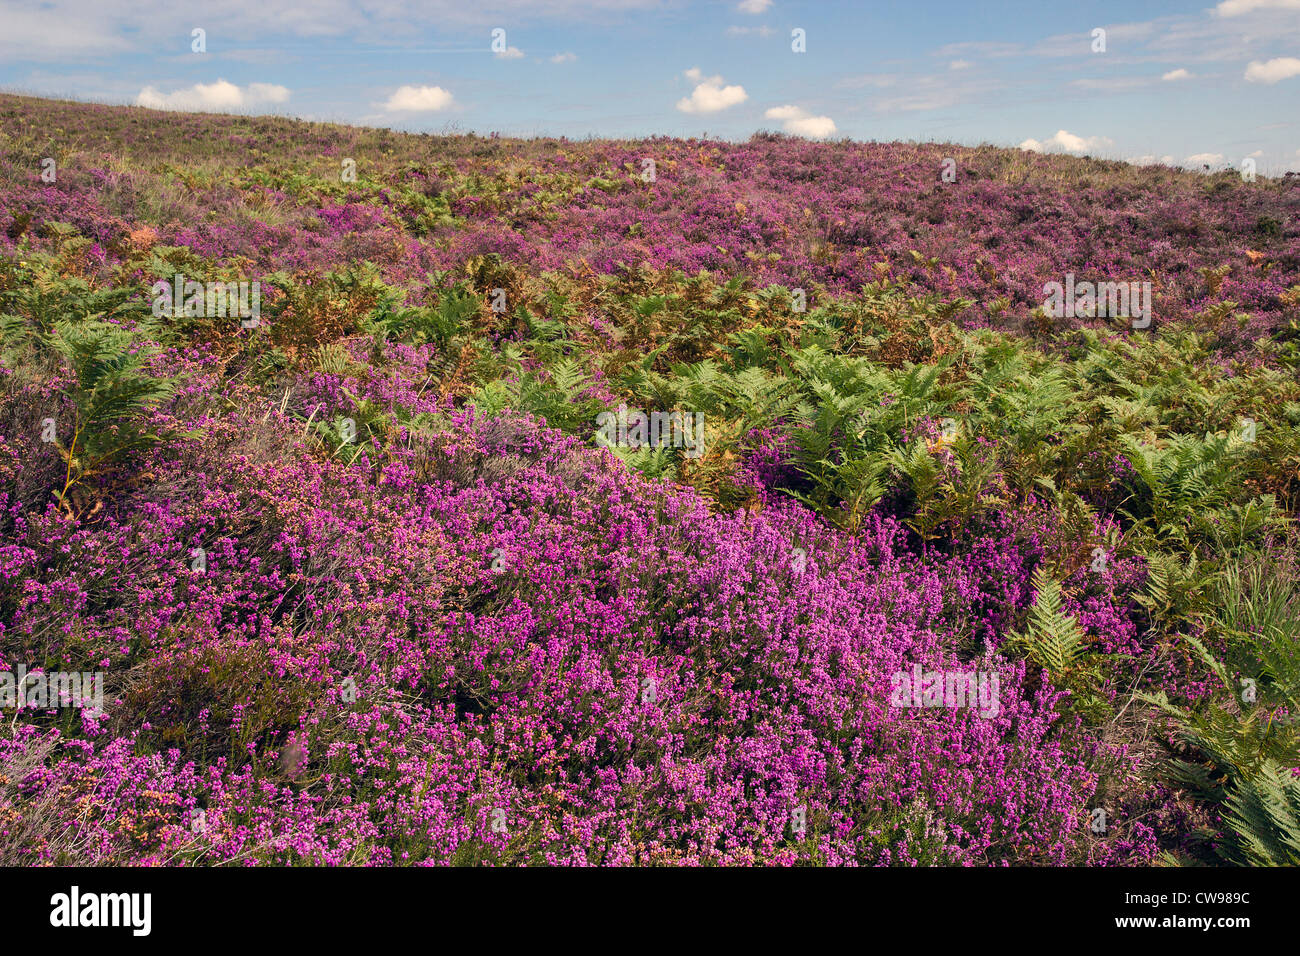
(636, 680)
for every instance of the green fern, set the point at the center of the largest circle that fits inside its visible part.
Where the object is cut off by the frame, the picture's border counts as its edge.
(1052, 638)
(1236, 751)
(111, 390)
(1263, 813)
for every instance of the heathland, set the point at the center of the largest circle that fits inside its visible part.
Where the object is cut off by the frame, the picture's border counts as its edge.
(460, 499)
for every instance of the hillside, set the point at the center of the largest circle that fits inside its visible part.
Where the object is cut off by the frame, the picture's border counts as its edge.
(658, 502)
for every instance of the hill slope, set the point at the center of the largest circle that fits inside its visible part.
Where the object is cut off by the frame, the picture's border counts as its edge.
(377, 565)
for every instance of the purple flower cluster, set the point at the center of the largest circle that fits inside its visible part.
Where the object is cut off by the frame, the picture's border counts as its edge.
(495, 644)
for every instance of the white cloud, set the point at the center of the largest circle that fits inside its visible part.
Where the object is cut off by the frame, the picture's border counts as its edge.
(753, 6)
(564, 58)
(709, 95)
(1113, 83)
(45, 32)
(267, 93)
(1062, 141)
(960, 65)
(1178, 74)
(82, 29)
(1204, 159)
(880, 80)
(799, 122)
(980, 48)
(418, 99)
(1235, 8)
(221, 96)
(510, 53)
(1274, 71)
(924, 92)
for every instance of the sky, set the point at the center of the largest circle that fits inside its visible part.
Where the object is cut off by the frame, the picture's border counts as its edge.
(1170, 81)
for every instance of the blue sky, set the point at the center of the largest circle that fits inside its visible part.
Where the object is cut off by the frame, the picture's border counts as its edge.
(1179, 82)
